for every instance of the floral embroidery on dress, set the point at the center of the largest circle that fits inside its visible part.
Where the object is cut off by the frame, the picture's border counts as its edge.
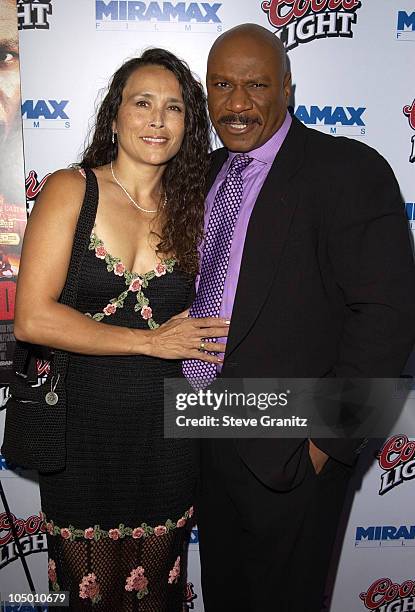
(52, 575)
(117, 533)
(89, 588)
(114, 534)
(174, 572)
(136, 581)
(135, 283)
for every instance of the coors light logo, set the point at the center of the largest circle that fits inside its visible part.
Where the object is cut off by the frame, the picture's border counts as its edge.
(387, 596)
(30, 531)
(301, 21)
(397, 459)
(33, 14)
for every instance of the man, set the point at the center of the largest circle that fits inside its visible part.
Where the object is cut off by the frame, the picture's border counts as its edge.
(318, 281)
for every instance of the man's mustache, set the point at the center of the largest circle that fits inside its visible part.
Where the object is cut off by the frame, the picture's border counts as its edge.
(243, 119)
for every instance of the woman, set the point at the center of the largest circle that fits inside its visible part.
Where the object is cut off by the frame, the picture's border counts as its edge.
(116, 515)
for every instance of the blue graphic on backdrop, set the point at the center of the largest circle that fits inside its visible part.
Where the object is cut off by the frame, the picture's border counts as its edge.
(385, 535)
(410, 213)
(405, 29)
(23, 608)
(163, 16)
(45, 114)
(338, 120)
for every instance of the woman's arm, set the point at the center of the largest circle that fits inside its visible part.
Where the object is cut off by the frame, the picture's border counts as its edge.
(40, 319)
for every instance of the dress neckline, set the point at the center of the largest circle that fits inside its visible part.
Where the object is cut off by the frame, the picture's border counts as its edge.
(163, 262)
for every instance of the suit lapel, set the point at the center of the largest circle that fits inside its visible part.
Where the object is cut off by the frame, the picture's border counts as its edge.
(266, 234)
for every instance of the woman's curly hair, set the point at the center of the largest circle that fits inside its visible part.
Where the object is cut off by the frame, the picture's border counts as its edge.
(184, 179)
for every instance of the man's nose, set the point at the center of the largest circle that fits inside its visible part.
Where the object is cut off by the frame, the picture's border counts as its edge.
(238, 101)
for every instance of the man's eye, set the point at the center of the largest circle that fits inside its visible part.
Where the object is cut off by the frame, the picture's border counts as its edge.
(6, 57)
(222, 84)
(257, 85)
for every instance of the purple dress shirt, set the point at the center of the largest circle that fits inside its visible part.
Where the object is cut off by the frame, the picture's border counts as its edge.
(253, 177)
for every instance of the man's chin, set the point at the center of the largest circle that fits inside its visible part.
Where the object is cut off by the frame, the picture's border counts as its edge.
(237, 144)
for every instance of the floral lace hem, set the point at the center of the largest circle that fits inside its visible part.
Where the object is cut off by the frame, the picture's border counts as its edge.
(90, 588)
(120, 532)
(135, 283)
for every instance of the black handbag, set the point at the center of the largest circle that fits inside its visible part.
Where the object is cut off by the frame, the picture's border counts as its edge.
(35, 426)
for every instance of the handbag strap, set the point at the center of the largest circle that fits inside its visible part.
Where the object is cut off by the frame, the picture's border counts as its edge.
(69, 293)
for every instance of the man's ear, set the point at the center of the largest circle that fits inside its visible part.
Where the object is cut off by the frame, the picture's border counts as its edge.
(287, 86)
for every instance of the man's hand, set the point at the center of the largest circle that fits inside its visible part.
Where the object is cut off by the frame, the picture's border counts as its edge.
(317, 456)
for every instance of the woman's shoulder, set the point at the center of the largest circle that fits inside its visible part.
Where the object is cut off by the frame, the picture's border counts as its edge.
(67, 184)
(64, 190)
(67, 177)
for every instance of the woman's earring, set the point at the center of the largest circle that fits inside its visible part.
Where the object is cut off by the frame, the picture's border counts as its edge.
(113, 138)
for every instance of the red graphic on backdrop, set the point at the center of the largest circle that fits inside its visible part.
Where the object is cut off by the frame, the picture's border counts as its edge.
(33, 524)
(189, 596)
(302, 7)
(397, 459)
(42, 367)
(409, 111)
(30, 531)
(33, 185)
(301, 21)
(383, 591)
(7, 299)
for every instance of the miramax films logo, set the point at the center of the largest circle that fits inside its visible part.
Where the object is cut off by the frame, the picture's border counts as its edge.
(301, 21)
(158, 16)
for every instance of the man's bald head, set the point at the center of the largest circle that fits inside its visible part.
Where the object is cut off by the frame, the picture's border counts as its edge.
(252, 31)
(248, 86)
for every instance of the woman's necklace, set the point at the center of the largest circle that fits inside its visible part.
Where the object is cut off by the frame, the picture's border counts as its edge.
(131, 199)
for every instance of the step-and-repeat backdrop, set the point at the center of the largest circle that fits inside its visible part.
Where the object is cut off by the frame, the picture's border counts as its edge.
(353, 66)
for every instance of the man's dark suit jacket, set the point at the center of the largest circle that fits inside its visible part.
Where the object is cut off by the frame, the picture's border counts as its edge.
(326, 285)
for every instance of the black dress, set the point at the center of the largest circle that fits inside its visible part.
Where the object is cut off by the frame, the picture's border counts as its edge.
(118, 516)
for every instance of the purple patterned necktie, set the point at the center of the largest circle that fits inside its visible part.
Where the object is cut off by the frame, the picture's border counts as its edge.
(216, 251)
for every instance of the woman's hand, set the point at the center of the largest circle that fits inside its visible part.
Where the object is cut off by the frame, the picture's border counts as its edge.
(183, 337)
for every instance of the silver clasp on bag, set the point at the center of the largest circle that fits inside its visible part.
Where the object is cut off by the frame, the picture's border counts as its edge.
(52, 398)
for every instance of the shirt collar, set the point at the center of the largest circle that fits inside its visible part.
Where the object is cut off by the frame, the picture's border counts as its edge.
(266, 153)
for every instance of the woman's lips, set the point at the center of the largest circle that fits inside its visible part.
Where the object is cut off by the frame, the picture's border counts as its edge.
(154, 140)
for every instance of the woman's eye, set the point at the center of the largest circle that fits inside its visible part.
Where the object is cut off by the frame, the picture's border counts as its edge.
(142, 103)
(175, 108)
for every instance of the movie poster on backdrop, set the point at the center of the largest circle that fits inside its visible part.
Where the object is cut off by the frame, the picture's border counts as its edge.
(12, 189)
